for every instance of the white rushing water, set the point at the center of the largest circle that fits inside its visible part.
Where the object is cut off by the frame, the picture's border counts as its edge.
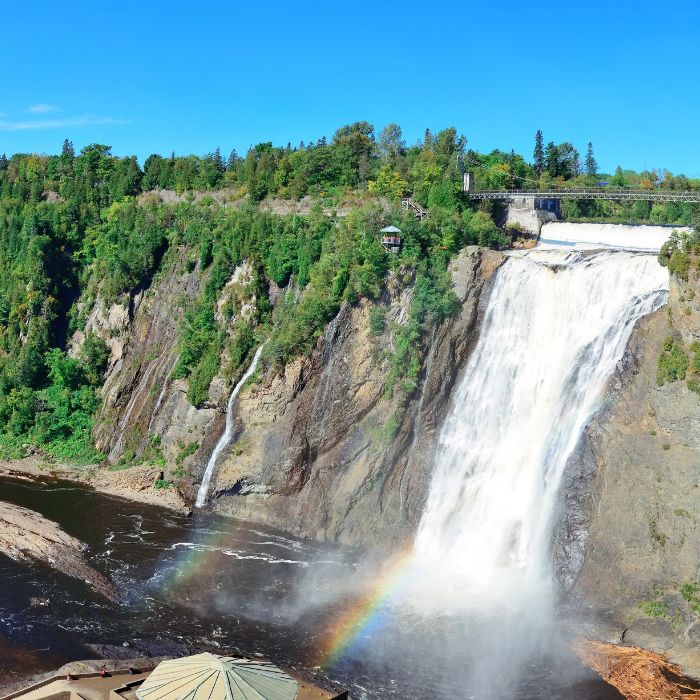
(556, 324)
(225, 439)
(589, 236)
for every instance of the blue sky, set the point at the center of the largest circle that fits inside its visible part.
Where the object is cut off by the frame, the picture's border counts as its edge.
(156, 76)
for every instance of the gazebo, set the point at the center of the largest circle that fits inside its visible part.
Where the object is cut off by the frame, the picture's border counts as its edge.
(391, 239)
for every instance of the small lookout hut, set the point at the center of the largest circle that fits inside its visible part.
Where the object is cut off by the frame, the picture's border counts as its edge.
(391, 239)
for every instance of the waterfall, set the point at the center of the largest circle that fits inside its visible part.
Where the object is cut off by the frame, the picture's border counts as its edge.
(556, 325)
(648, 238)
(225, 439)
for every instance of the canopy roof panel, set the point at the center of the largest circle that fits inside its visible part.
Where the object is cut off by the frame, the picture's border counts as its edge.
(212, 677)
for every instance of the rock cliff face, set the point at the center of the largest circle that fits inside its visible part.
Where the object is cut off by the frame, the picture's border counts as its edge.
(629, 547)
(317, 449)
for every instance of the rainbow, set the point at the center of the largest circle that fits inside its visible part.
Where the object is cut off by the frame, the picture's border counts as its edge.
(197, 560)
(366, 614)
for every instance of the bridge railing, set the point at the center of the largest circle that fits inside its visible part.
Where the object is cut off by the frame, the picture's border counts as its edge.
(591, 193)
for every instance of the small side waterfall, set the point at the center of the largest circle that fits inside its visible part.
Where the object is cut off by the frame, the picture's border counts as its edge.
(225, 439)
(556, 325)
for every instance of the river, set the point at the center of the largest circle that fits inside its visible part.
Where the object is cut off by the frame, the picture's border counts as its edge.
(224, 584)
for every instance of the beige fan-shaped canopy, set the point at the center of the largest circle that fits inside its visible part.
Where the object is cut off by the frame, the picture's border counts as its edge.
(213, 677)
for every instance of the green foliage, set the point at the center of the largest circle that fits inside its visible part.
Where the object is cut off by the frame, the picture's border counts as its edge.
(78, 228)
(481, 230)
(433, 301)
(388, 184)
(94, 355)
(673, 362)
(201, 376)
(353, 266)
(127, 246)
(654, 608)
(678, 252)
(186, 451)
(691, 594)
(57, 417)
(377, 320)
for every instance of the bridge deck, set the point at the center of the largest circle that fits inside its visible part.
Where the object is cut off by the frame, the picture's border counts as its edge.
(598, 193)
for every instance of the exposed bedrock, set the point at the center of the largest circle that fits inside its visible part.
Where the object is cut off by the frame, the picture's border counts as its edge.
(27, 535)
(318, 449)
(628, 545)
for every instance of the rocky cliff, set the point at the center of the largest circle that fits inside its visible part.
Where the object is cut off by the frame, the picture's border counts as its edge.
(629, 546)
(318, 448)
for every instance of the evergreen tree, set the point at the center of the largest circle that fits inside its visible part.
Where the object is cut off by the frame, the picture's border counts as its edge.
(539, 153)
(232, 160)
(218, 160)
(591, 163)
(551, 159)
(68, 150)
(3, 162)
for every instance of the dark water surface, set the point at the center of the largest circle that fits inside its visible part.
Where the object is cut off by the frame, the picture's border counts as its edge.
(222, 584)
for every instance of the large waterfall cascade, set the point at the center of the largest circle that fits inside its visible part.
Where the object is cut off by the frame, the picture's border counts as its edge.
(225, 438)
(556, 325)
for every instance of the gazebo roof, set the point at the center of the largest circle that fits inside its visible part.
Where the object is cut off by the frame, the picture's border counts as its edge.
(391, 229)
(212, 677)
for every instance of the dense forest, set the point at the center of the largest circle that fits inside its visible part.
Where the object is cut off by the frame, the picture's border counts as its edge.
(81, 228)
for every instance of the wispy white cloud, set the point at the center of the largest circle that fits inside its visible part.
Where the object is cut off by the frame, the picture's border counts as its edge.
(88, 120)
(43, 108)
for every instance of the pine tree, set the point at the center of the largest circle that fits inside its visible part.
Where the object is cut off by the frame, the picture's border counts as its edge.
(591, 163)
(218, 160)
(551, 159)
(3, 162)
(232, 160)
(539, 153)
(68, 149)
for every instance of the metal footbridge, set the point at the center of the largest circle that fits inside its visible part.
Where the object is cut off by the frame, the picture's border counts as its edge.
(591, 193)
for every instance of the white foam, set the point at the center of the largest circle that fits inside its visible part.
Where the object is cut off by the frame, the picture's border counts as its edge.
(646, 238)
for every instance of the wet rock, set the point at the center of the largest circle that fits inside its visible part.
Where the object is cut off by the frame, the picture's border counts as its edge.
(26, 535)
(638, 509)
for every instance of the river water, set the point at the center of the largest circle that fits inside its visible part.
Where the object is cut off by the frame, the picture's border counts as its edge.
(225, 584)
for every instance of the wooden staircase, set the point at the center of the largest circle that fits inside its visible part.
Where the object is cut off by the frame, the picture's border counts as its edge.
(411, 205)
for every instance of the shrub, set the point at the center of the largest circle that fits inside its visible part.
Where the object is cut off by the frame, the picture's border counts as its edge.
(673, 362)
(377, 320)
(186, 451)
(201, 377)
(94, 355)
(654, 608)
